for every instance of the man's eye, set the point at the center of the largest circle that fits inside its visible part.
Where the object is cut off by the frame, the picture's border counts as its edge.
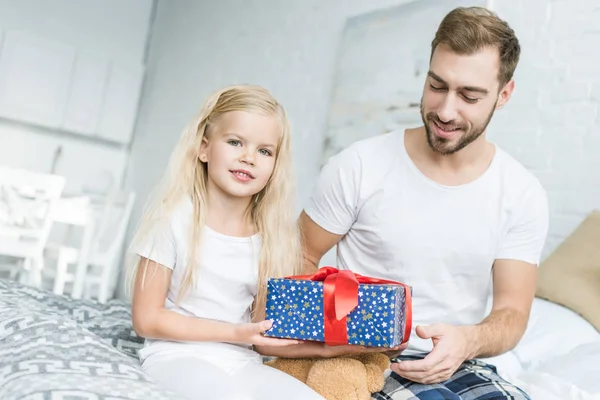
(234, 142)
(470, 99)
(436, 89)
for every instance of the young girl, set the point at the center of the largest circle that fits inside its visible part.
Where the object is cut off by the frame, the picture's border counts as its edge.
(222, 224)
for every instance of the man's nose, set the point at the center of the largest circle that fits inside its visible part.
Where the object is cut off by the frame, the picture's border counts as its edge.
(448, 110)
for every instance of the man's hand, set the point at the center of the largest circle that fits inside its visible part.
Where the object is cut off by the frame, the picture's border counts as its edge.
(450, 350)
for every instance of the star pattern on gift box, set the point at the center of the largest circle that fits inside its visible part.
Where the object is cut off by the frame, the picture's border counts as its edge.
(296, 308)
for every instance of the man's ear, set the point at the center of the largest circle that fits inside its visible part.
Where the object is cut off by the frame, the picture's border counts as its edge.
(203, 154)
(505, 94)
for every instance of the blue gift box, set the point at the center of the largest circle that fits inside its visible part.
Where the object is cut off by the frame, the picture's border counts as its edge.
(296, 308)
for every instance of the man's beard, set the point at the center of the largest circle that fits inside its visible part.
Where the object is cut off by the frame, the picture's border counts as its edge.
(441, 145)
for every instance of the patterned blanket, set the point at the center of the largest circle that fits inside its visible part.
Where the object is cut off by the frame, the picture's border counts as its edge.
(55, 347)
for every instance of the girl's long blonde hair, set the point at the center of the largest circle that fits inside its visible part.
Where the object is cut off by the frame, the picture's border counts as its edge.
(271, 210)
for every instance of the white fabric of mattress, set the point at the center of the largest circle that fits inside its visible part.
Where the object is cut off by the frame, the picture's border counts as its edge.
(558, 358)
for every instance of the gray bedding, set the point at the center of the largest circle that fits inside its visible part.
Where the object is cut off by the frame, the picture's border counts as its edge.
(54, 347)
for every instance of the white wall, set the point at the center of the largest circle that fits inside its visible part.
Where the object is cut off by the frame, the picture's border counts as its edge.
(290, 47)
(116, 28)
(552, 123)
(197, 47)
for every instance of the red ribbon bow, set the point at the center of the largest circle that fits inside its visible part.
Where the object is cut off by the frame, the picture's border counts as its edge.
(340, 297)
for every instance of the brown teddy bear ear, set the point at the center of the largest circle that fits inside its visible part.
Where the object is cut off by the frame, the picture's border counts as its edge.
(341, 378)
(379, 359)
(375, 364)
(375, 377)
(296, 367)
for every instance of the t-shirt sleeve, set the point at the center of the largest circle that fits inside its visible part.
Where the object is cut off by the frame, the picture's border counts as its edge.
(159, 245)
(526, 237)
(333, 203)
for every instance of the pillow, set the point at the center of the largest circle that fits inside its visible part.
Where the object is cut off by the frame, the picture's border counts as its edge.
(44, 353)
(51, 357)
(570, 276)
(110, 321)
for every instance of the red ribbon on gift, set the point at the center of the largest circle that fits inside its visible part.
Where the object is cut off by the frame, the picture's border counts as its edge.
(340, 297)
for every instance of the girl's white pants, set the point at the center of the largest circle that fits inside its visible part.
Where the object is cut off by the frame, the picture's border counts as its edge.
(198, 377)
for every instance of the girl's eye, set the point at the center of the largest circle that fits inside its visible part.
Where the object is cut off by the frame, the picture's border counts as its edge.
(234, 142)
(265, 152)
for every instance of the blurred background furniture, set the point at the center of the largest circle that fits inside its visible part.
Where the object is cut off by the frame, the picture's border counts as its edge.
(69, 243)
(27, 200)
(90, 267)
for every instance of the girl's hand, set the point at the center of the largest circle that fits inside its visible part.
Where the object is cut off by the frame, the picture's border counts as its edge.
(253, 333)
(396, 351)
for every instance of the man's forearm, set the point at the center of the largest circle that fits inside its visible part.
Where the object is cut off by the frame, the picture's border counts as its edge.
(496, 334)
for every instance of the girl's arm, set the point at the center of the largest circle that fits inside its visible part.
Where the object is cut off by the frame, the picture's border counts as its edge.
(152, 320)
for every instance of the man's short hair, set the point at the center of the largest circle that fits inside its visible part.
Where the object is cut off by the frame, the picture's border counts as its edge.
(467, 30)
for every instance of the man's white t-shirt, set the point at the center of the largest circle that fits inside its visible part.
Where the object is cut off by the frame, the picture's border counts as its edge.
(441, 240)
(226, 281)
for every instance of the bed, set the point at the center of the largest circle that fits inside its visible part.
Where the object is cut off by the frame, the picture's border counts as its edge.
(558, 358)
(54, 347)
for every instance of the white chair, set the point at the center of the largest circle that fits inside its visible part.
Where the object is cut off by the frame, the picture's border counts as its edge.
(71, 211)
(27, 200)
(98, 257)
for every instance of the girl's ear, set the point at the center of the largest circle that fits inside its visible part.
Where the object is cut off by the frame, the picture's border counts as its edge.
(203, 155)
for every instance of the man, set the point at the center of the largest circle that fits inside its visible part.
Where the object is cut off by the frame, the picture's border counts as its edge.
(445, 211)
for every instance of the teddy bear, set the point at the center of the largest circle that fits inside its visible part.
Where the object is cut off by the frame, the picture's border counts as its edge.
(353, 377)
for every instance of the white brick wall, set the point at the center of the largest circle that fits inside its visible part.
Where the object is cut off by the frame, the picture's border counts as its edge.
(198, 46)
(552, 123)
(114, 28)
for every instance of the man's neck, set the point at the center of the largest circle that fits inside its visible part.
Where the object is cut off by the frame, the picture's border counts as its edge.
(473, 154)
(459, 168)
(227, 214)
